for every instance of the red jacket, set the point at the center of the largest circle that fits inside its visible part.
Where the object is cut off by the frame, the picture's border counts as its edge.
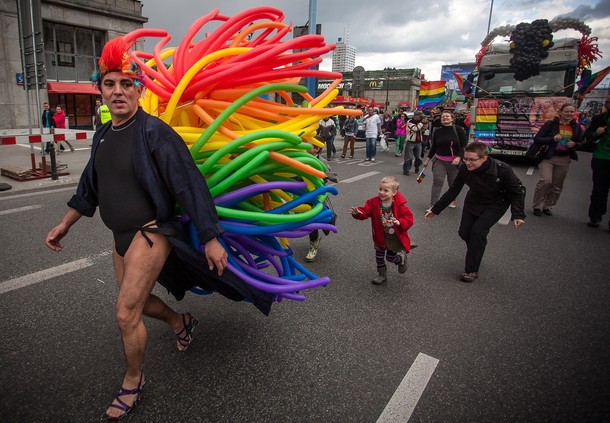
(60, 119)
(401, 212)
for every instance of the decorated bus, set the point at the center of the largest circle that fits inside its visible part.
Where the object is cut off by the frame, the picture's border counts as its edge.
(522, 83)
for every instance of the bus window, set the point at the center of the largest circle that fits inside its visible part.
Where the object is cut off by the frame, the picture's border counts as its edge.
(547, 82)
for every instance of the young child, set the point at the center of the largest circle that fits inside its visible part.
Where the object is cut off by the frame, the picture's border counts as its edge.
(390, 221)
(314, 236)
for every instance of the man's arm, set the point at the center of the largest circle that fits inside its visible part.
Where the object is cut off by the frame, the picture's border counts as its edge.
(191, 191)
(516, 192)
(452, 193)
(61, 230)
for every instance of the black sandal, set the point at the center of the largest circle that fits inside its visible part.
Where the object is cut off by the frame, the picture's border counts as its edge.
(183, 342)
(124, 407)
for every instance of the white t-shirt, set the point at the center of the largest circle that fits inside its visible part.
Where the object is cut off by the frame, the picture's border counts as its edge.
(371, 123)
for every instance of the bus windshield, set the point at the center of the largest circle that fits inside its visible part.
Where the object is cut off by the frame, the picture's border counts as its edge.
(549, 82)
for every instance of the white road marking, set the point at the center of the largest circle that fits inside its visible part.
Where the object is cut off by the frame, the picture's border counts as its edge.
(359, 177)
(406, 397)
(370, 163)
(530, 171)
(43, 275)
(31, 194)
(505, 220)
(351, 161)
(19, 210)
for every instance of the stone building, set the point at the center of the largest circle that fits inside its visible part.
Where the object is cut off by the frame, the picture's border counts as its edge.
(68, 39)
(387, 89)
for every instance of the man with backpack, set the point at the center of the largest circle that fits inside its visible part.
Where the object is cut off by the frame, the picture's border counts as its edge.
(493, 188)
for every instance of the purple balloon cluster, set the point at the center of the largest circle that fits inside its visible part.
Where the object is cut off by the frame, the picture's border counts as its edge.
(256, 255)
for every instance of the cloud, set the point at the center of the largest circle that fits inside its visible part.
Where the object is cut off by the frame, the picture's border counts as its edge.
(585, 12)
(398, 33)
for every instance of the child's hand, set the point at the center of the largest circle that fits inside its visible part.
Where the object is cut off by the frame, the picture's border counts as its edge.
(396, 222)
(354, 211)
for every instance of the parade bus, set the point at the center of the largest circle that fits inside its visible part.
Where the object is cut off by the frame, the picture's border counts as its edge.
(507, 113)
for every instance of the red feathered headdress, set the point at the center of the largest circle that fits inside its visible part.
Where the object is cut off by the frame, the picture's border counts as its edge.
(114, 58)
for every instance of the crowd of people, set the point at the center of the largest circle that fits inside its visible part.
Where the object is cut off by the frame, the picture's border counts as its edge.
(138, 165)
(440, 138)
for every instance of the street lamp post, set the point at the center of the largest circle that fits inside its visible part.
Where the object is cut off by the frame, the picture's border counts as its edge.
(388, 72)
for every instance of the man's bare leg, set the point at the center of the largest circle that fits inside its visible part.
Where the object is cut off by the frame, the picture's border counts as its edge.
(136, 274)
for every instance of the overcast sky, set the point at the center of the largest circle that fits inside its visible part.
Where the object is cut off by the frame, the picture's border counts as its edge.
(399, 33)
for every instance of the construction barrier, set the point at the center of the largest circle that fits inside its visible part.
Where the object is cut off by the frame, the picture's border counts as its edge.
(33, 139)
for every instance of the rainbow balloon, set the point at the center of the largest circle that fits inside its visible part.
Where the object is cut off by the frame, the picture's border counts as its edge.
(231, 97)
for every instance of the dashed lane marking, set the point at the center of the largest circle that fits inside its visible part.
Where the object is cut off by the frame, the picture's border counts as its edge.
(43, 275)
(410, 390)
(359, 177)
(32, 194)
(19, 209)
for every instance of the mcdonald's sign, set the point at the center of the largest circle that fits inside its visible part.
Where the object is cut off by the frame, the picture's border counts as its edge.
(376, 84)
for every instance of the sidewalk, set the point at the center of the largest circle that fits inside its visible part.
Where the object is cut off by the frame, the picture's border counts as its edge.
(19, 155)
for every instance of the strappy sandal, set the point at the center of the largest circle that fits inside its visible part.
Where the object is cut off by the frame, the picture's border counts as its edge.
(183, 342)
(124, 407)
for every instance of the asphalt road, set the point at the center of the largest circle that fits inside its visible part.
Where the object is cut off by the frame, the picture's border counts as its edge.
(528, 341)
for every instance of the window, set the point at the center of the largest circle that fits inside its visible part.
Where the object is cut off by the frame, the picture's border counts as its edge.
(549, 82)
(71, 53)
(64, 45)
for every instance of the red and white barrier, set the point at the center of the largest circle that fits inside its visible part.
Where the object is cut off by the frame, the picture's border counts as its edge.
(33, 139)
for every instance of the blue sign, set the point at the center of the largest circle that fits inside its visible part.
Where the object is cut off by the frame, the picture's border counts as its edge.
(19, 78)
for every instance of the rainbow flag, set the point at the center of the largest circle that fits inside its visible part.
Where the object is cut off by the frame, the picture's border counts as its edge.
(464, 85)
(585, 85)
(431, 94)
(421, 176)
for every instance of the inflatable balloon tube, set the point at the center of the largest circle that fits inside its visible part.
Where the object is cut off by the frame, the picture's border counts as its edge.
(233, 96)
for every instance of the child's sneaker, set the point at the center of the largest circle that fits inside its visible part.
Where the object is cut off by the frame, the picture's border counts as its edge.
(382, 276)
(402, 266)
(313, 250)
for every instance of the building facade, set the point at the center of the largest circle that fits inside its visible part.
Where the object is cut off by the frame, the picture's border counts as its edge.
(73, 33)
(389, 90)
(344, 57)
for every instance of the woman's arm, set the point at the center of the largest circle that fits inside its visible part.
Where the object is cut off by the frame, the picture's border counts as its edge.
(545, 134)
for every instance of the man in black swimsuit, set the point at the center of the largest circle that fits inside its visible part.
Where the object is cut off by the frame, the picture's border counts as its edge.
(141, 247)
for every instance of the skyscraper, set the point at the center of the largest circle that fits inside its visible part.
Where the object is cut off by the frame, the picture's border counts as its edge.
(344, 57)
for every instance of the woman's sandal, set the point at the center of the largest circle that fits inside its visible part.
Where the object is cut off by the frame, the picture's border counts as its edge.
(183, 342)
(124, 407)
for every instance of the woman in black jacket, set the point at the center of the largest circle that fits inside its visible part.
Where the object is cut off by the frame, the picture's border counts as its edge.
(446, 151)
(563, 135)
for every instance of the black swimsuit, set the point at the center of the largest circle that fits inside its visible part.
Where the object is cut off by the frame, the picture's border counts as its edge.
(124, 206)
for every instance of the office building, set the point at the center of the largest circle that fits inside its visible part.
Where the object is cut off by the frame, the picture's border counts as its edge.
(62, 54)
(344, 57)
